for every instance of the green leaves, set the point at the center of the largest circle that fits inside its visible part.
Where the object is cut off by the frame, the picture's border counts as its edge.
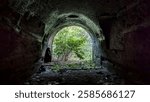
(71, 41)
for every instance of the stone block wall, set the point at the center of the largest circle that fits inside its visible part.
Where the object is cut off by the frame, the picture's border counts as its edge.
(19, 51)
(130, 38)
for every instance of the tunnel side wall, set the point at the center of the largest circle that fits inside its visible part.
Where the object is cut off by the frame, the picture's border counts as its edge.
(19, 50)
(130, 38)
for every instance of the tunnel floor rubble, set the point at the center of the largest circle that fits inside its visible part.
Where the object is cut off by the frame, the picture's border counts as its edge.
(78, 76)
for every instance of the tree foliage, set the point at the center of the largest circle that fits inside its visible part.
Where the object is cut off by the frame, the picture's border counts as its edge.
(70, 42)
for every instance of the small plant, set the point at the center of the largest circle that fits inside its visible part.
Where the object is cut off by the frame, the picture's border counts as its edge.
(55, 67)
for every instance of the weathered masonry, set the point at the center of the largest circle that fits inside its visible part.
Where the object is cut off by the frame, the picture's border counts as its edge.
(120, 31)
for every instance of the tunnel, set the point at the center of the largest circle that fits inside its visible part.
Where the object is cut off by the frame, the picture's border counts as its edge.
(119, 30)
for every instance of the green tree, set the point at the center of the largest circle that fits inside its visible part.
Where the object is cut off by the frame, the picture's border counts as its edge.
(70, 41)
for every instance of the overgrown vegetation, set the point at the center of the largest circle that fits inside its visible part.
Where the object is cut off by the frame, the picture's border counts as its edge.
(81, 65)
(71, 44)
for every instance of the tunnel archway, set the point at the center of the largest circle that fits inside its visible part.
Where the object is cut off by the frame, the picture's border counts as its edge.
(65, 20)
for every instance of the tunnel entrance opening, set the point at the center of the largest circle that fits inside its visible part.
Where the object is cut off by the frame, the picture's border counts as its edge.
(72, 48)
(80, 65)
(72, 43)
(92, 29)
(69, 51)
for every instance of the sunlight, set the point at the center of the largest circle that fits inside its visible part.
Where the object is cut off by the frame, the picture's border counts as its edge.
(72, 43)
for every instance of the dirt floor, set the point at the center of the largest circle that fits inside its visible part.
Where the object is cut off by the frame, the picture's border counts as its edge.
(74, 76)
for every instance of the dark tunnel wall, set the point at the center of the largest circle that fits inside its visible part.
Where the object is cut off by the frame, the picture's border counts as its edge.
(18, 55)
(19, 50)
(130, 39)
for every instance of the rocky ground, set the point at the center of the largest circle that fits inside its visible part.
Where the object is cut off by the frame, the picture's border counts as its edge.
(76, 76)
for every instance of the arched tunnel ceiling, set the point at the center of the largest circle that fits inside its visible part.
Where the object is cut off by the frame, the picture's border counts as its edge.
(44, 8)
(50, 11)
